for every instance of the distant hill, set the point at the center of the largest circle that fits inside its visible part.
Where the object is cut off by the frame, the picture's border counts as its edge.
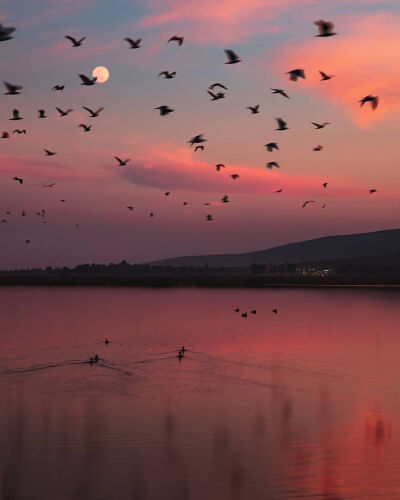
(328, 248)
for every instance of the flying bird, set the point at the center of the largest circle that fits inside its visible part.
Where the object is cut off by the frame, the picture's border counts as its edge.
(58, 87)
(272, 164)
(320, 125)
(64, 113)
(16, 115)
(209, 217)
(164, 110)
(225, 199)
(325, 28)
(86, 128)
(282, 125)
(219, 166)
(19, 131)
(151, 214)
(307, 202)
(254, 109)
(235, 176)
(280, 91)
(122, 163)
(87, 81)
(134, 44)
(5, 33)
(18, 179)
(212, 87)
(197, 139)
(42, 113)
(217, 96)
(74, 41)
(318, 148)
(233, 58)
(49, 153)
(198, 147)
(271, 146)
(12, 89)
(93, 114)
(5, 135)
(167, 74)
(295, 74)
(324, 76)
(373, 99)
(176, 38)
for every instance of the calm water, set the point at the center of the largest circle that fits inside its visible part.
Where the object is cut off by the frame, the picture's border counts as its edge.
(302, 404)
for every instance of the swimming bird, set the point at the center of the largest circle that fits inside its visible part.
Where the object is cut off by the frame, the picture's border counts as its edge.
(209, 217)
(86, 80)
(58, 87)
(180, 355)
(18, 179)
(237, 310)
(295, 74)
(324, 184)
(307, 202)
(164, 110)
(372, 191)
(5, 33)
(167, 194)
(318, 148)
(86, 128)
(12, 89)
(167, 74)
(254, 311)
(19, 131)
(219, 166)
(275, 311)
(93, 114)
(324, 205)
(16, 115)
(42, 113)
(244, 315)
(280, 91)
(233, 58)
(49, 153)
(324, 76)
(222, 86)
(5, 135)
(197, 139)
(106, 341)
(129, 208)
(64, 113)
(282, 125)
(225, 199)
(278, 191)
(74, 41)
(134, 44)
(151, 214)
(185, 203)
(271, 146)
(272, 164)
(27, 241)
(325, 28)
(216, 97)
(176, 38)
(373, 99)
(235, 176)
(320, 125)
(254, 109)
(122, 163)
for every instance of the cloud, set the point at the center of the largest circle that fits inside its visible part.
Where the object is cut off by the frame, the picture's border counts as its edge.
(365, 61)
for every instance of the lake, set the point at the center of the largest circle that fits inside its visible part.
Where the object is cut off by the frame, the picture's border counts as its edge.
(304, 403)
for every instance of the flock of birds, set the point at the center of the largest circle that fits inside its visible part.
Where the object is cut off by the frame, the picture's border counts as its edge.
(216, 92)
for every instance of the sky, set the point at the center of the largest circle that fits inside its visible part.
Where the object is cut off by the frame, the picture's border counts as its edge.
(271, 37)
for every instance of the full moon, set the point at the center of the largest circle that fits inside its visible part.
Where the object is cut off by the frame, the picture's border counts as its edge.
(101, 73)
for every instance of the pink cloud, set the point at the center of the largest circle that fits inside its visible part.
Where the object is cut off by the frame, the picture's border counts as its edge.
(365, 61)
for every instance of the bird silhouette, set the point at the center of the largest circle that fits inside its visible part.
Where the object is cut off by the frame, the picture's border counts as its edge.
(212, 87)
(272, 164)
(320, 125)
(225, 199)
(93, 114)
(278, 191)
(244, 315)
(42, 113)
(58, 87)
(280, 91)
(64, 113)
(18, 179)
(134, 44)
(197, 139)
(12, 89)
(254, 311)
(324, 76)
(167, 194)
(318, 148)
(86, 80)
(49, 153)
(324, 184)
(201, 148)
(151, 214)
(307, 202)
(74, 41)
(237, 310)
(129, 208)
(325, 28)
(164, 110)
(27, 241)
(372, 191)
(254, 109)
(19, 131)
(233, 58)
(16, 115)
(5, 33)
(122, 163)
(235, 176)
(49, 185)
(219, 166)
(176, 38)
(209, 217)
(167, 74)
(275, 311)
(216, 97)
(86, 128)
(373, 99)
(295, 74)
(271, 146)
(185, 203)
(5, 135)
(282, 125)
